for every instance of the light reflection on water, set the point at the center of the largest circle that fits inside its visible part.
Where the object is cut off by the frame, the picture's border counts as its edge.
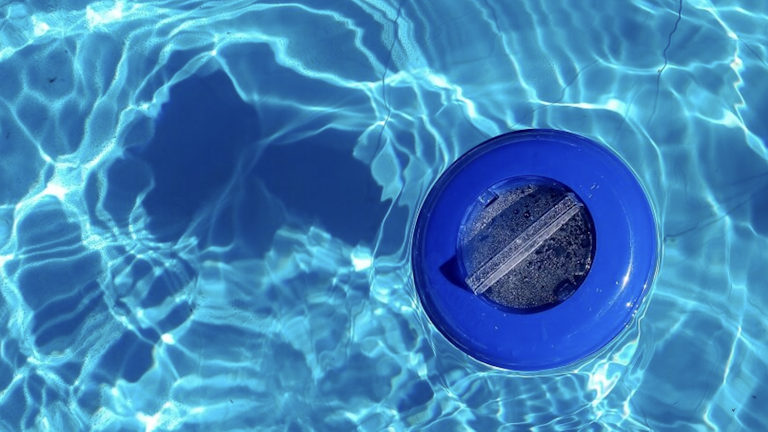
(205, 209)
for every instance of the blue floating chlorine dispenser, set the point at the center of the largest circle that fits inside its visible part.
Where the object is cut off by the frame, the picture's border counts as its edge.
(534, 250)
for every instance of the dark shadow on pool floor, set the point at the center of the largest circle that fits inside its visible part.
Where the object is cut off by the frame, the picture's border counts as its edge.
(204, 134)
(325, 185)
(201, 133)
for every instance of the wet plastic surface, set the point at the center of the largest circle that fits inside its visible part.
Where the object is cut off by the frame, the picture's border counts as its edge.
(551, 323)
(526, 243)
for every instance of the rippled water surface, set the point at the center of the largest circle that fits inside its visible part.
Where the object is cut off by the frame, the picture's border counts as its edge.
(205, 209)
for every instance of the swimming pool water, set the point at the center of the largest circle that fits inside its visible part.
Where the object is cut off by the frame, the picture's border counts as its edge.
(206, 207)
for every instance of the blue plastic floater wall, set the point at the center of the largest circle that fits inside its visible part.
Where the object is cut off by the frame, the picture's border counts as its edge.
(480, 238)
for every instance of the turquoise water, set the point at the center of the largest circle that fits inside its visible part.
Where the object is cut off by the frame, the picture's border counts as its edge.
(205, 209)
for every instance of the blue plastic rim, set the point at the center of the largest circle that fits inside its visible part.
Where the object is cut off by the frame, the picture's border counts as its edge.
(624, 265)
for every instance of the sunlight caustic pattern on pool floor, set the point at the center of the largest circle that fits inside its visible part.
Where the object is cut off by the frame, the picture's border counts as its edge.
(205, 209)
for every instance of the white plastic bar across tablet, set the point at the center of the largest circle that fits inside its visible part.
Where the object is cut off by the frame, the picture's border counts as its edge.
(522, 246)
